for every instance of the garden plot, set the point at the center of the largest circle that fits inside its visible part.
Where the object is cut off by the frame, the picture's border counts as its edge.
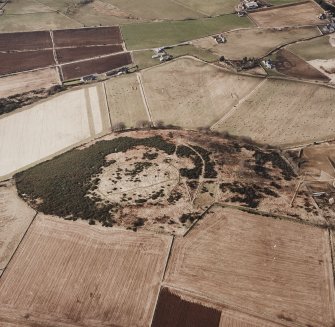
(50, 127)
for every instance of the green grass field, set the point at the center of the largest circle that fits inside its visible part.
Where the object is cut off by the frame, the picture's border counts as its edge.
(319, 48)
(151, 35)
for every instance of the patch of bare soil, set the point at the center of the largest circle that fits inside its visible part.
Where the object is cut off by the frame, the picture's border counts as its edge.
(289, 64)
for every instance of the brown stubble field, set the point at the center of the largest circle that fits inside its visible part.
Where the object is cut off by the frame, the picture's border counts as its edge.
(72, 274)
(274, 269)
(178, 92)
(299, 14)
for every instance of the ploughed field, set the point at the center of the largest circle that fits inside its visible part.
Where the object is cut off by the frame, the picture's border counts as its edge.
(85, 46)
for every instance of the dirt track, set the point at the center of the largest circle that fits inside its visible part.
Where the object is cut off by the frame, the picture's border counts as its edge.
(99, 65)
(65, 55)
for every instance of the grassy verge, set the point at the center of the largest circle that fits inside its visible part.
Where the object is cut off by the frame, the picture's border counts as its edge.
(151, 35)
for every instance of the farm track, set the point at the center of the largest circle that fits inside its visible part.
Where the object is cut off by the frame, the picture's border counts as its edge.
(144, 97)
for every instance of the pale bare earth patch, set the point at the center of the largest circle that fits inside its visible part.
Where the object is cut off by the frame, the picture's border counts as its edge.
(254, 42)
(327, 67)
(15, 218)
(189, 93)
(125, 101)
(300, 14)
(275, 269)
(29, 81)
(50, 127)
(285, 113)
(95, 276)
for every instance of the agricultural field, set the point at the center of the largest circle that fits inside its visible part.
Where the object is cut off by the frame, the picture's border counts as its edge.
(65, 55)
(26, 60)
(173, 310)
(259, 267)
(21, 7)
(25, 41)
(125, 101)
(177, 92)
(157, 34)
(284, 113)
(254, 42)
(36, 22)
(87, 36)
(319, 48)
(15, 218)
(289, 64)
(28, 81)
(300, 14)
(96, 65)
(122, 290)
(50, 127)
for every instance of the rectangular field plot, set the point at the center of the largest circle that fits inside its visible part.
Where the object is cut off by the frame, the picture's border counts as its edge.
(15, 218)
(28, 81)
(50, 127)
(172, 310)
(188, 93)
(22, 61)
(299, 14)
(125, 101)
(95, 276)
(254, 42)
(72, 54)
(275, 269)
(87, 36)
(284, 113)
(25, 41)
(99, 65)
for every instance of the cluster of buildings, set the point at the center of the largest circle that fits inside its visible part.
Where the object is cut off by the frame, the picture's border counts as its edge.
(161, 54)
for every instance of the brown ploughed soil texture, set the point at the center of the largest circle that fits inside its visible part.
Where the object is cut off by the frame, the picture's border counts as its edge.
(75, 275)
(93, 66)
(274, 269)
(172, 310)
(22, 61)
(65, 55)
(289, 64)
(87, 36)
(25, 41)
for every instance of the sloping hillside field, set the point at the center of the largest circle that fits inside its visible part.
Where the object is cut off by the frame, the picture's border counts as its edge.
(164, 181)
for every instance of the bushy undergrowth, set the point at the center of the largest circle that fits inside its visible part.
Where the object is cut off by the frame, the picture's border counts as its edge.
(60, 186)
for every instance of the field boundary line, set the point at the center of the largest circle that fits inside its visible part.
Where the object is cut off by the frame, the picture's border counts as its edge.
(107, 104)
(221, 305)
(162, 278)
(89, 112)
(190, 8)
(236, 106)
(144, 98)
(273, 216)
(16, 249)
